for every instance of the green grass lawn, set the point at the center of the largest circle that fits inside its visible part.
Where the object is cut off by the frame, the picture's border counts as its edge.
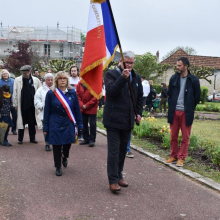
(208, 130)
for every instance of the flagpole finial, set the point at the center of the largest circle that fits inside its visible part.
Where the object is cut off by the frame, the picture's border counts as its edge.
(98, 1)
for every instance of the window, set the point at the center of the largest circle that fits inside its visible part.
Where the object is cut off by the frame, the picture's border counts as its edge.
(46, 49)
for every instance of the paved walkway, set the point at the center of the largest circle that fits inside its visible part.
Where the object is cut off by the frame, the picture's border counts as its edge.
(29, 189)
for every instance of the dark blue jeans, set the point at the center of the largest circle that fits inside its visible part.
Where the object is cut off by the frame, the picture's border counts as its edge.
(89, 135)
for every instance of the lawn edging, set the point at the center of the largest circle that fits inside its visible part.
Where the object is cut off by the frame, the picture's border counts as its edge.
(193, 175)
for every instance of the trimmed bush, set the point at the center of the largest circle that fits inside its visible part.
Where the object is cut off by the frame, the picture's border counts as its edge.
(157, 87)
(204, 93)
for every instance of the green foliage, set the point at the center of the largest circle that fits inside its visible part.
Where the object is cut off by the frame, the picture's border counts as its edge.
(146, 65)
(59, 65)
(196, 116)
(193, 143)
(208, 107)
(99, 114)
(157, 87)
(83, 37)
(166, 141)
(204, 93)
(212, 151)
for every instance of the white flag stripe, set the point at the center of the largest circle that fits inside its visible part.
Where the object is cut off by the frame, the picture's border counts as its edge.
(95, 16)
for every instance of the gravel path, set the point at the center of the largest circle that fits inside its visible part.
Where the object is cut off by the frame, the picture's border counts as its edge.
(29, 189)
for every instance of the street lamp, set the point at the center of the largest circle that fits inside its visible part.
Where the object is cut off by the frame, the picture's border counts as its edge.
(215, 74)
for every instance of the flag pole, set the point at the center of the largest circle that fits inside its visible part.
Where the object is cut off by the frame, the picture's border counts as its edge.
(123, 59)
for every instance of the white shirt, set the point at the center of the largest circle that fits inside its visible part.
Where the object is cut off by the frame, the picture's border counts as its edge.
(74, 82)
(146, 88)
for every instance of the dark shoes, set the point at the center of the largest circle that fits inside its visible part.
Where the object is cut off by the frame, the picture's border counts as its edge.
(7, 144)
(91, 143)
(58, 172)
(14, 132)
(34, 141)
(121, 182)
(114, 187)
(84, 142)
(64, 161)
(47, 148)
(20, 142)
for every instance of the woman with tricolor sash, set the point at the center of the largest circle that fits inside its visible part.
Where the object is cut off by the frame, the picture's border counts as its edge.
(61, 116)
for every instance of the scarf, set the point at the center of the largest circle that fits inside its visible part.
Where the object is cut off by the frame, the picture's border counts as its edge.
(7, 96)
(27, 94)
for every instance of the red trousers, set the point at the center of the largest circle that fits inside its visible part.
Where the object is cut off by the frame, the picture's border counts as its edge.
(179, 122)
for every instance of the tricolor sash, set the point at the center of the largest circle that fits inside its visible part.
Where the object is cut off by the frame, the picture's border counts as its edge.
(66, 104)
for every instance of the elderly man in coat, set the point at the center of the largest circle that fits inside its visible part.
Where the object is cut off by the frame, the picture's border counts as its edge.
(39, 103)
(119, 117)
(23, 100)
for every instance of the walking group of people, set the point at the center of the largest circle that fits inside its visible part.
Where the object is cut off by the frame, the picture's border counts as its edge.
(54, 106)
(64, 106)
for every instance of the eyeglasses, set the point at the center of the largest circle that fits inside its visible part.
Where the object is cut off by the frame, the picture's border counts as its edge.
(62, 78)
(130, 63)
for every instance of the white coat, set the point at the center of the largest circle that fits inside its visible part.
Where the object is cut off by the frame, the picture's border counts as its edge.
(39, 103)
(18, 84)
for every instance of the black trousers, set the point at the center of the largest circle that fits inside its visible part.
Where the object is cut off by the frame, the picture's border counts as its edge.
(89, 135)
(28, 117)
(32, 132)
(57, 153)
(144, 103)
(117, 147)
(14, 118)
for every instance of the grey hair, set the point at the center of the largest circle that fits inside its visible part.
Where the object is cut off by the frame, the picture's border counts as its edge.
(4, 70)
(47, 75)
(129, 54)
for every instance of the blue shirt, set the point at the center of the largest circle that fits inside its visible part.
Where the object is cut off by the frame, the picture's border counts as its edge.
(9, 82)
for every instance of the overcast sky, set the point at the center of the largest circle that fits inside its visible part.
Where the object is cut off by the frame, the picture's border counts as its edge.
(143, 25)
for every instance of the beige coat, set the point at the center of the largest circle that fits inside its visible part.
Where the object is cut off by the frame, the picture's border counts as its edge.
(18, 84)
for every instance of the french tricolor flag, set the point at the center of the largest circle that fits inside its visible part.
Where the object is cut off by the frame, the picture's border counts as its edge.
(100, 46)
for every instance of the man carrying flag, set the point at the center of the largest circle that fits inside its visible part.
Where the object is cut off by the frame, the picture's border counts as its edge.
(101, 43)
(119, 116)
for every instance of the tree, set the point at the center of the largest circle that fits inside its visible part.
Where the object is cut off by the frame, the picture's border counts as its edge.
(188, 50)
(59, 65)
(18, 58)
(202, 72)
(83, 39)
(146, 65)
